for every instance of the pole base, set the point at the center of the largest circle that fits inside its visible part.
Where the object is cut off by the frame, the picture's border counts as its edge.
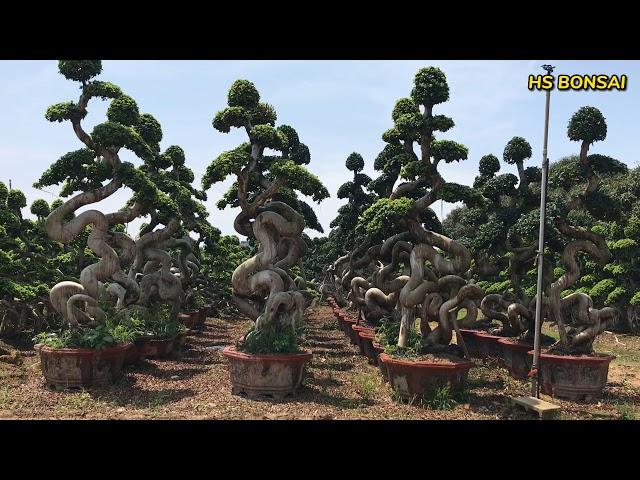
(544, 410)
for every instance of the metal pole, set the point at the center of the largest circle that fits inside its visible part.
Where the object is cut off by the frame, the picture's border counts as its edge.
(535, 392)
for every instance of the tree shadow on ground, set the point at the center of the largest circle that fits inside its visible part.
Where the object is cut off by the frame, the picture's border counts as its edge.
(340, 367)
(314, 395)
(321, 338)
(132, 396)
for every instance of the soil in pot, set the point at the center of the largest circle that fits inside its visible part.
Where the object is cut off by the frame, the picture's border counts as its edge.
(274, 376)
(68, 368)
(573, 377)
(426, 376)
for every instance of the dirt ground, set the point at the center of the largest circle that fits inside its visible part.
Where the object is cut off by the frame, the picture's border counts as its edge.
(340, 384)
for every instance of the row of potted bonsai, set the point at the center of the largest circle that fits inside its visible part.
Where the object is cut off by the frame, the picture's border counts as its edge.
(562, 376)
(409, 378)
(71, 367)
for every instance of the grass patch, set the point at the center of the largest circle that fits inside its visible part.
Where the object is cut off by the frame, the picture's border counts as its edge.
(159, 400)
(330, 325)
(627, 412)
(78, 401)
(367, 385)
(5, 397)
(443, 399)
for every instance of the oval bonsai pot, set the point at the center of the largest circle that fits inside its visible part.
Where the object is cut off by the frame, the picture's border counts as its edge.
(272, 375)
(379, 349)
(422, 378)
(573, 377)
(367, 339)
(82, 367)
(356, 333)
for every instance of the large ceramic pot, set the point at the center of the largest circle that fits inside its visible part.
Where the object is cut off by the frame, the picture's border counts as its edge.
(422, 378)
(490, 346)
(357, 329)
(155, 348)
(379, 349)
(367, 339)
(347, 324)
(194, 319)
(574, 377)
(271, 375)
(472, 341)
(515, 357)
(82, 367)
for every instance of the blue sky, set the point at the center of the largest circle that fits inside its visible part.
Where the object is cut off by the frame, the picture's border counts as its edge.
(337, 107)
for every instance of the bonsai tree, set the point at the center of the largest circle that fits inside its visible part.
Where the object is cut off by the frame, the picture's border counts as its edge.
(342, 236)
(617, 284)
(586, 126)
(263, 287)
(86, 171)
(440, 289)
(490, 230)
(25, 265)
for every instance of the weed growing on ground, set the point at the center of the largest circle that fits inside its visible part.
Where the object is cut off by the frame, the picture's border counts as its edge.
(367, 384)
(627, 412)
(78, 401)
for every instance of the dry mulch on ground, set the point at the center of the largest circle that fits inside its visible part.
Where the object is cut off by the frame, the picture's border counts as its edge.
(340, 384)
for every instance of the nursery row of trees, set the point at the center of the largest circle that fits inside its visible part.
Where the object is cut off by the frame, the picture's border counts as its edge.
(68, 267)
(387, 252)
(390, 257)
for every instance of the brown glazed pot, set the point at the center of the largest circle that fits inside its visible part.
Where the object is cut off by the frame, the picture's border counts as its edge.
(472, 342)
(273, 375)
(361, 328)
(366, 341)
(515, 357)
(419, 378)
(82, 367)
(578, 378)
(383, 369)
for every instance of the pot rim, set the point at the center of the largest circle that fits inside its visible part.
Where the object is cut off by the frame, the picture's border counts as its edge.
(361, 328)
(575, 358)
(83, 351)
(425, 364)
(230, 351)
